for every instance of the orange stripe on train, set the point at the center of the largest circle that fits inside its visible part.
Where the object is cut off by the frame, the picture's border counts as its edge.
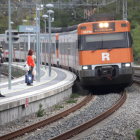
(118, 27)
(120, 55)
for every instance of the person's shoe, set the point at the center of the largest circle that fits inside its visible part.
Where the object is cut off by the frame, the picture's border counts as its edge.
(29, 85)
(2, 95)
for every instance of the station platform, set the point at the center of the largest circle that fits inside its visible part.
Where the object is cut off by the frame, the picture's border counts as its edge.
(24, 100)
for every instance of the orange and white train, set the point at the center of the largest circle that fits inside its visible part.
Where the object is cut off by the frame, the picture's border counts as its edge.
(99, 53)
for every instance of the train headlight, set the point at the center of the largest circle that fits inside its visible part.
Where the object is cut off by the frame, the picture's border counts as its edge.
(126, 65)
(106, 25)
(101, 25)
(87, 67)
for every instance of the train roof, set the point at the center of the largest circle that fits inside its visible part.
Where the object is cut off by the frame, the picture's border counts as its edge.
(61, 29)
(102, 17)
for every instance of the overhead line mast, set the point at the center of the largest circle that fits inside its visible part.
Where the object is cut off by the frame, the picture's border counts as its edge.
(125, 9)
(88, 5)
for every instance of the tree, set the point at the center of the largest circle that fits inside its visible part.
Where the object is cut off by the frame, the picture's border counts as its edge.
(136, 39)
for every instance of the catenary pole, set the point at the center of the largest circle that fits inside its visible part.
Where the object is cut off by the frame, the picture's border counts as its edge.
(37, 47)
(45, 44)
(49, 44)
(9, 8)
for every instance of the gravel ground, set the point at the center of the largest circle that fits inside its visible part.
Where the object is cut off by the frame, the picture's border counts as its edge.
(18, 124)
(93, 109)
(123, 126)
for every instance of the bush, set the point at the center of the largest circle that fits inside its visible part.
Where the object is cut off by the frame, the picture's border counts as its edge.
(74, 95)
(40, 112)
(71, 101)
(58, 106)
(137, 133)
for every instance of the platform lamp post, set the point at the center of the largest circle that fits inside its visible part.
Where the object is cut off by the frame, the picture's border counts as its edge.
(50, 12)
(37, 54)
(12, 43)
(44, 19)
(24, 21)
(35, 36)
(39, 7)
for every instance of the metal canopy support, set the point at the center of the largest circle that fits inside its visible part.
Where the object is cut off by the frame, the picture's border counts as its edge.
(125, 9)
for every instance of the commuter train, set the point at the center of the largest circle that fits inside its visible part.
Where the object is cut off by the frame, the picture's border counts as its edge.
(99, 53)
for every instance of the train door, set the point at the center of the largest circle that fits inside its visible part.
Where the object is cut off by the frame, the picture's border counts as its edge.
(62, 55)
(65, 46)
(68, 55)
(60, 52)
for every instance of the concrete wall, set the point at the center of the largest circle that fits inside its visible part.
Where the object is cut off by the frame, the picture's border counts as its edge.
(19, 112)
(13, 109)
(16, 70)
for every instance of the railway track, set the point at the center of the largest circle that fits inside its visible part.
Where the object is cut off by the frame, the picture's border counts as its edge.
(69, 133)
(76, 130)
(136, 78)
(92, 122)
(47, 121)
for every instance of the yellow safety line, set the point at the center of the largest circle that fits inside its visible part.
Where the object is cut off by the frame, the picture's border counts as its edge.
(24, 83)
(35, 85)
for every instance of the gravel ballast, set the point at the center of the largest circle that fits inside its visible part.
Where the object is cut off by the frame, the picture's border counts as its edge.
(18, 124)
(100, 105)
(123, 126)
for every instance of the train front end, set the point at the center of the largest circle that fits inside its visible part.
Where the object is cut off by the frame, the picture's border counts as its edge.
(105, 53)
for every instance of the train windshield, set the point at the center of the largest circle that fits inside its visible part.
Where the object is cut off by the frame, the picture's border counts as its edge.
(105, 41)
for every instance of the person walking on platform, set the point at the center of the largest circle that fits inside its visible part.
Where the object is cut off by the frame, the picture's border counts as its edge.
(30, 63)
(34, 58)
(1, 61)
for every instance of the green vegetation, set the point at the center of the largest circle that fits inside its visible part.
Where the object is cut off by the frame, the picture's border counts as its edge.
(137, 133)
(136, 45)
(71, 101)
(74, 95)
(40, 112)
(65, 18)
(58, 106)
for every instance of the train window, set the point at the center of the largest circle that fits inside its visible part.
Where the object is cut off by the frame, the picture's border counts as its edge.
(81, 42)
(104, 37)
(83, 27)
(94, 38)
(130, 39)
(104, 41)
(116, 36)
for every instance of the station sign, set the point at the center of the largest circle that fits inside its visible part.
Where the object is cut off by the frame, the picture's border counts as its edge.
(26, 102)
(28, 29)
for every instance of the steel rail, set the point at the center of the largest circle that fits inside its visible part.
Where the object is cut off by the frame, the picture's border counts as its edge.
(3, 73)
(40, 124)
(92, 122)
(136, 78)
(136, 75)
